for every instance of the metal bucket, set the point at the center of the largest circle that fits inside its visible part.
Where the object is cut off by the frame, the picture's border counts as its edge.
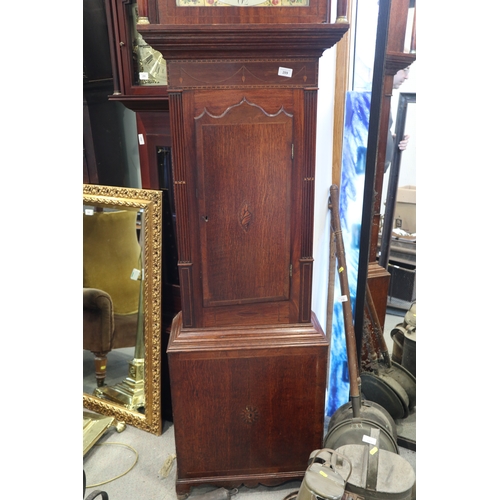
(411, 317)
(410, 352)
(355, 430)
(377, 474)
(398, 339)
(325, 476)
(399, 335)
(387, 392)
(369, 410)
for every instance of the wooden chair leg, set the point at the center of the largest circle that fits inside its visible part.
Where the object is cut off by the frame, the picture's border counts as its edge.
(100, 362)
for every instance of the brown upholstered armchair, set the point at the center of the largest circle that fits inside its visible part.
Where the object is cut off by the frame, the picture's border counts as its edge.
(111, 252)
(98, 328)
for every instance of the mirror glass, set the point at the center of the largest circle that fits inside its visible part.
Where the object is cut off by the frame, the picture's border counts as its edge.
(398, 238)
(121, 304)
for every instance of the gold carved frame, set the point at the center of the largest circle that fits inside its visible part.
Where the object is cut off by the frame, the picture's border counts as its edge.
(150, 202)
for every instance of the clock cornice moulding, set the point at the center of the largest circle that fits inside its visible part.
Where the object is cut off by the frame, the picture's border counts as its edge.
(395, 61)
(242, 40)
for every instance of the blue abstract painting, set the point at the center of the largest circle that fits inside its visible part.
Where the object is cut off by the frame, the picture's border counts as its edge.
(351, 191)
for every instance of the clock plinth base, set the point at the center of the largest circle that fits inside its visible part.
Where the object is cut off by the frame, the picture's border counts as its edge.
(248, 402)
(184, 486)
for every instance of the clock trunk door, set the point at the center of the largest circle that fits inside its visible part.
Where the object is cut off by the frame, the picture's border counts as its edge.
(244, 159)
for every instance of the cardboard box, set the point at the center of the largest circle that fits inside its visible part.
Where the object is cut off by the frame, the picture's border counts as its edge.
(405, 214)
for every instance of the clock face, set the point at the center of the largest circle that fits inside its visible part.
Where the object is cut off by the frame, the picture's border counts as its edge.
(242, 3)
(205, 12)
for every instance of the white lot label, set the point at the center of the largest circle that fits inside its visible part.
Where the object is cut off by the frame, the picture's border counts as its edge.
(369, 439)
(285, 72)
(136, 274)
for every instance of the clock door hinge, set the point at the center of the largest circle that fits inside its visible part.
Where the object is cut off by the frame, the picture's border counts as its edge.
(292, 151)
(291, 270)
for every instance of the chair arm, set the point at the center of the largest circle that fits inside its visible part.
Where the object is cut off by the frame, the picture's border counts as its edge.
(98, 321)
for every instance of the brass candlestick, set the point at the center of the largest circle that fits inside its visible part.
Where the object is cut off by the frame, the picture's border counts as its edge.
(130, 392)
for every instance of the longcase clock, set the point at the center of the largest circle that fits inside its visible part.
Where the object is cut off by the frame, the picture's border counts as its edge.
(247, 356)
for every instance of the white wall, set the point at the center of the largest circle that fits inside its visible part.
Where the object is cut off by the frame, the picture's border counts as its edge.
(324, 154)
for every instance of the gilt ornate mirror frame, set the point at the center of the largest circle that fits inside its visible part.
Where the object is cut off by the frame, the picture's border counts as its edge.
(150, 203)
